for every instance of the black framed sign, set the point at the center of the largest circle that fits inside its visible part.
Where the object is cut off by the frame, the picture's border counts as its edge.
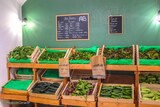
(115, 24)
(72, 27)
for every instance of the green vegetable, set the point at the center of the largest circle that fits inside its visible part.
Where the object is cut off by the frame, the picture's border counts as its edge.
(121, 92)
(21, 52)
(149, 78)
(81, 55)
(51, 56)
(121, 53)
(80, 88)
(148, 94)
(150, 54)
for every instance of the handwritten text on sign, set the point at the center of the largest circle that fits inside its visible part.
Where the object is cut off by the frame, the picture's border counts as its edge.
(73, 27)
(98, 67)
(64, 67)
(115, 24)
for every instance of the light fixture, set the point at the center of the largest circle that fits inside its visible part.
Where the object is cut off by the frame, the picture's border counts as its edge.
(24, 21)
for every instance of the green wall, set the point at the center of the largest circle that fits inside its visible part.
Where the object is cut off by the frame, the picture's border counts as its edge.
(139, 25)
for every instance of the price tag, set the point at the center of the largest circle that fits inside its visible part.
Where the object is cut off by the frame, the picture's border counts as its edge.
(98, 67)
(64, 67)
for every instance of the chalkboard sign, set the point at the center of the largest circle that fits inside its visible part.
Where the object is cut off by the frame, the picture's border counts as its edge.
(115, 25)
(72, 27)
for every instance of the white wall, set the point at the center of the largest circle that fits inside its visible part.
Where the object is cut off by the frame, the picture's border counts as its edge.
(10, 35)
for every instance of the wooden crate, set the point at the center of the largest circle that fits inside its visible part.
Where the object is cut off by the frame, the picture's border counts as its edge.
(73, 50)
(155, 87)
(33, 56)
(22, 76)
(133, 53)
(91, 97)
(16, 92)
(79, 103)
(50, 79)
(37, 60)
(112, 100)
(54, 96)
(104, 104)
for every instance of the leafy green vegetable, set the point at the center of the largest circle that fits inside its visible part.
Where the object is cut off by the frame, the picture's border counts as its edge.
(21, 52)
(80, 88)
(51, 56)
(81, 55)
(150, 54)
(121, 53)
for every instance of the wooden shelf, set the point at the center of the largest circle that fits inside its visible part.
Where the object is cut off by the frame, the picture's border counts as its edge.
(104, 104)
(148, 68)
(148, 105)
(46, 66)
(20, 65)
(79, 103)
(44, 101)
(14, 97)
(122, 67)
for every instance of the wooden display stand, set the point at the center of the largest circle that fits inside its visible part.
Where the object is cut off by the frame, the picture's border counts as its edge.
(136, 68)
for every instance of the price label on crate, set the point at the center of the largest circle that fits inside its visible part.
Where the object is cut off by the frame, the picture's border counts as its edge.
(64, 67)
(98, 67)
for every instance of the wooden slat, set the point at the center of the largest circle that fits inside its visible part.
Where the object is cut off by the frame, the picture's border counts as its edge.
(122, 67)
(148, 68)
(44, 101)
(20, 65)
(79, 103)
(148, 105)
(13, 97)
(103, 104)
(46, 66)
(80, 66)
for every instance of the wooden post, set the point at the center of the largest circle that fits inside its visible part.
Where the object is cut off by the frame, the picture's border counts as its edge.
(35, 74)
(65, 80)
(136, 88)
(99, 83)
(9, 73)
(35, 105)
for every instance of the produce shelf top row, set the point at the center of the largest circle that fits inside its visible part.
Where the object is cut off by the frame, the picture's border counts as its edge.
(115, 55)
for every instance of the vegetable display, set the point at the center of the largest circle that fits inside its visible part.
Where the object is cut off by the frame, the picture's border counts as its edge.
(121, 53)
(120, 92)
(51, 56)
(21, 52)
(81, 55)
(150, 78)
(148, 94)
(80, 88)
(45, 88)
(150, 54)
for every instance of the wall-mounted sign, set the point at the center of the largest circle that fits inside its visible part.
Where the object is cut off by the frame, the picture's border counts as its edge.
(72, 27)
(115, 24)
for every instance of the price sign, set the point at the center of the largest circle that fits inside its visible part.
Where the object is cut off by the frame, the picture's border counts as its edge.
(64, 67)
(72, 27)
(98, 67)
